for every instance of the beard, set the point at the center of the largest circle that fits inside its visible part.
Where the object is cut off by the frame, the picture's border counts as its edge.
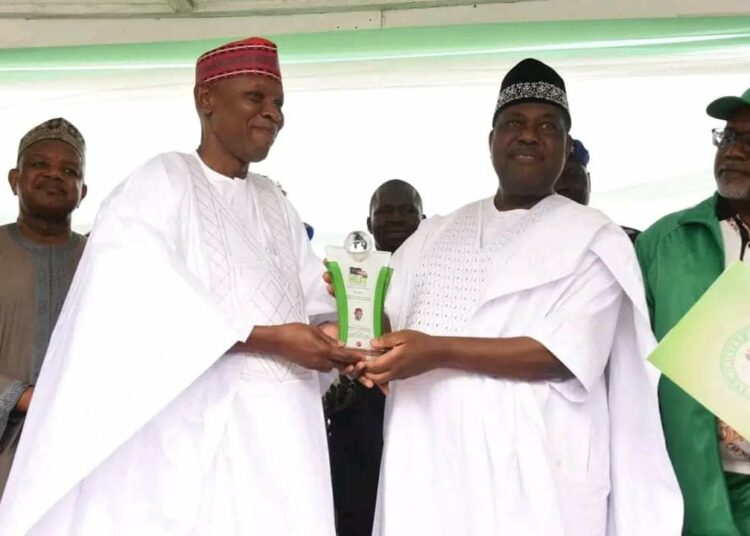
(738, 190)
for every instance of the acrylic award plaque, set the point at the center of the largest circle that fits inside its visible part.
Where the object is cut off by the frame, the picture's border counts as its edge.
(360, 276)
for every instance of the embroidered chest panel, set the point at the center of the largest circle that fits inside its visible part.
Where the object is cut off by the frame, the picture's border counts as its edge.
(454, 271)
(449, 279)
(267, 283)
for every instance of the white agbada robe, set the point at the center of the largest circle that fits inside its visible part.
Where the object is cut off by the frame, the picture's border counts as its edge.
(477, 455)
(140, 424)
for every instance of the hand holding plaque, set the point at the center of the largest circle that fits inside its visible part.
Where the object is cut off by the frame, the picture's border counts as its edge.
(360, 277)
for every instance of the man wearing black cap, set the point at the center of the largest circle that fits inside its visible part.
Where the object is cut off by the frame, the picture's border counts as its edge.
(575, 181)
(39, 254)
(520, 401)
(681, 256)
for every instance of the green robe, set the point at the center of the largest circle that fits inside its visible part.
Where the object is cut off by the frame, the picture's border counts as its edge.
(681, 255)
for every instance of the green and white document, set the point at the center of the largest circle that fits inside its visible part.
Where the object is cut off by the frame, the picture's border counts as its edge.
(708, 352)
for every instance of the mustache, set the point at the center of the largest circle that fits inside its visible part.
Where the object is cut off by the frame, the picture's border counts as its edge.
(270, 127)
(51, 183)
(525, 151)
(731, 166)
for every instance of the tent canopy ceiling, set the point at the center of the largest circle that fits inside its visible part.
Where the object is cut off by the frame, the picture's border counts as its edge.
(52, 23)
(479, 45)
(408, 101)
(47, 9)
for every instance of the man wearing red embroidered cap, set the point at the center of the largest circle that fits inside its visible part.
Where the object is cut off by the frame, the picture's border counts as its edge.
(181, 392)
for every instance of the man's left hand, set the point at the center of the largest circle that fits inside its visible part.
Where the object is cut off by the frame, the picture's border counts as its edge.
(410, 353)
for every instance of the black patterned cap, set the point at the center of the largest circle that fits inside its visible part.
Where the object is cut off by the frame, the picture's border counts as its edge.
(532, 81)
(54, 129)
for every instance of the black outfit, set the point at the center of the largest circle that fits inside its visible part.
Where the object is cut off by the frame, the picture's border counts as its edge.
(354, 415)
(632, 233)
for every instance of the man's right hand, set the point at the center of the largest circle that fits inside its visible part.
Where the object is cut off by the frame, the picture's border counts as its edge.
(22, 406)
(308, 346)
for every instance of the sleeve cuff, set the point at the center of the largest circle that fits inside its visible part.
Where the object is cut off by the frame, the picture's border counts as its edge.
(322, 318)
(553, 338)
(8, 400)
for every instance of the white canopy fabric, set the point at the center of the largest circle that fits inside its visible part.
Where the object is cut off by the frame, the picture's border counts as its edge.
(351, 125)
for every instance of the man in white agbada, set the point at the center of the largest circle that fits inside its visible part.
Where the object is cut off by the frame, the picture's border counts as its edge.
(180, 394)
(520, 400)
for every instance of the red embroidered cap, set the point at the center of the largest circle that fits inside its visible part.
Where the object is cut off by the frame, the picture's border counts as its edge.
(254, 55)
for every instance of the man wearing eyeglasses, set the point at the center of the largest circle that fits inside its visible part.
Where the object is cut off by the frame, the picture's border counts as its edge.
(681, 256)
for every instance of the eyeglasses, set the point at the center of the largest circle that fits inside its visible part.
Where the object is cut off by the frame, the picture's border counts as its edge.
(723, 138)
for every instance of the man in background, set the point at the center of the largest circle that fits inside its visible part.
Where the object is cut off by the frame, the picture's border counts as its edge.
(395, 213)
(575, 181)
(355, 413)
(39, 254)
(681, 256)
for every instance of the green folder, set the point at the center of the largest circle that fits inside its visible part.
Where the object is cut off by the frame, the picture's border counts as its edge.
(708, 352)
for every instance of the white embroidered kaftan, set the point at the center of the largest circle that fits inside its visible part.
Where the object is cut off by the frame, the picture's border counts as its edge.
(140, 425)
(483, 456)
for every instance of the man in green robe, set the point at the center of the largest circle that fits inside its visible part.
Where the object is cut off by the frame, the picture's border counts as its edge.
(681, 255)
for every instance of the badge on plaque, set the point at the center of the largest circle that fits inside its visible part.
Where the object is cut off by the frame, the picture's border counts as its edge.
(360, 277)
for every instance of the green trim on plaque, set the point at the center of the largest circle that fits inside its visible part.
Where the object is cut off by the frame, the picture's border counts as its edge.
(384, 279)
(341, 302)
